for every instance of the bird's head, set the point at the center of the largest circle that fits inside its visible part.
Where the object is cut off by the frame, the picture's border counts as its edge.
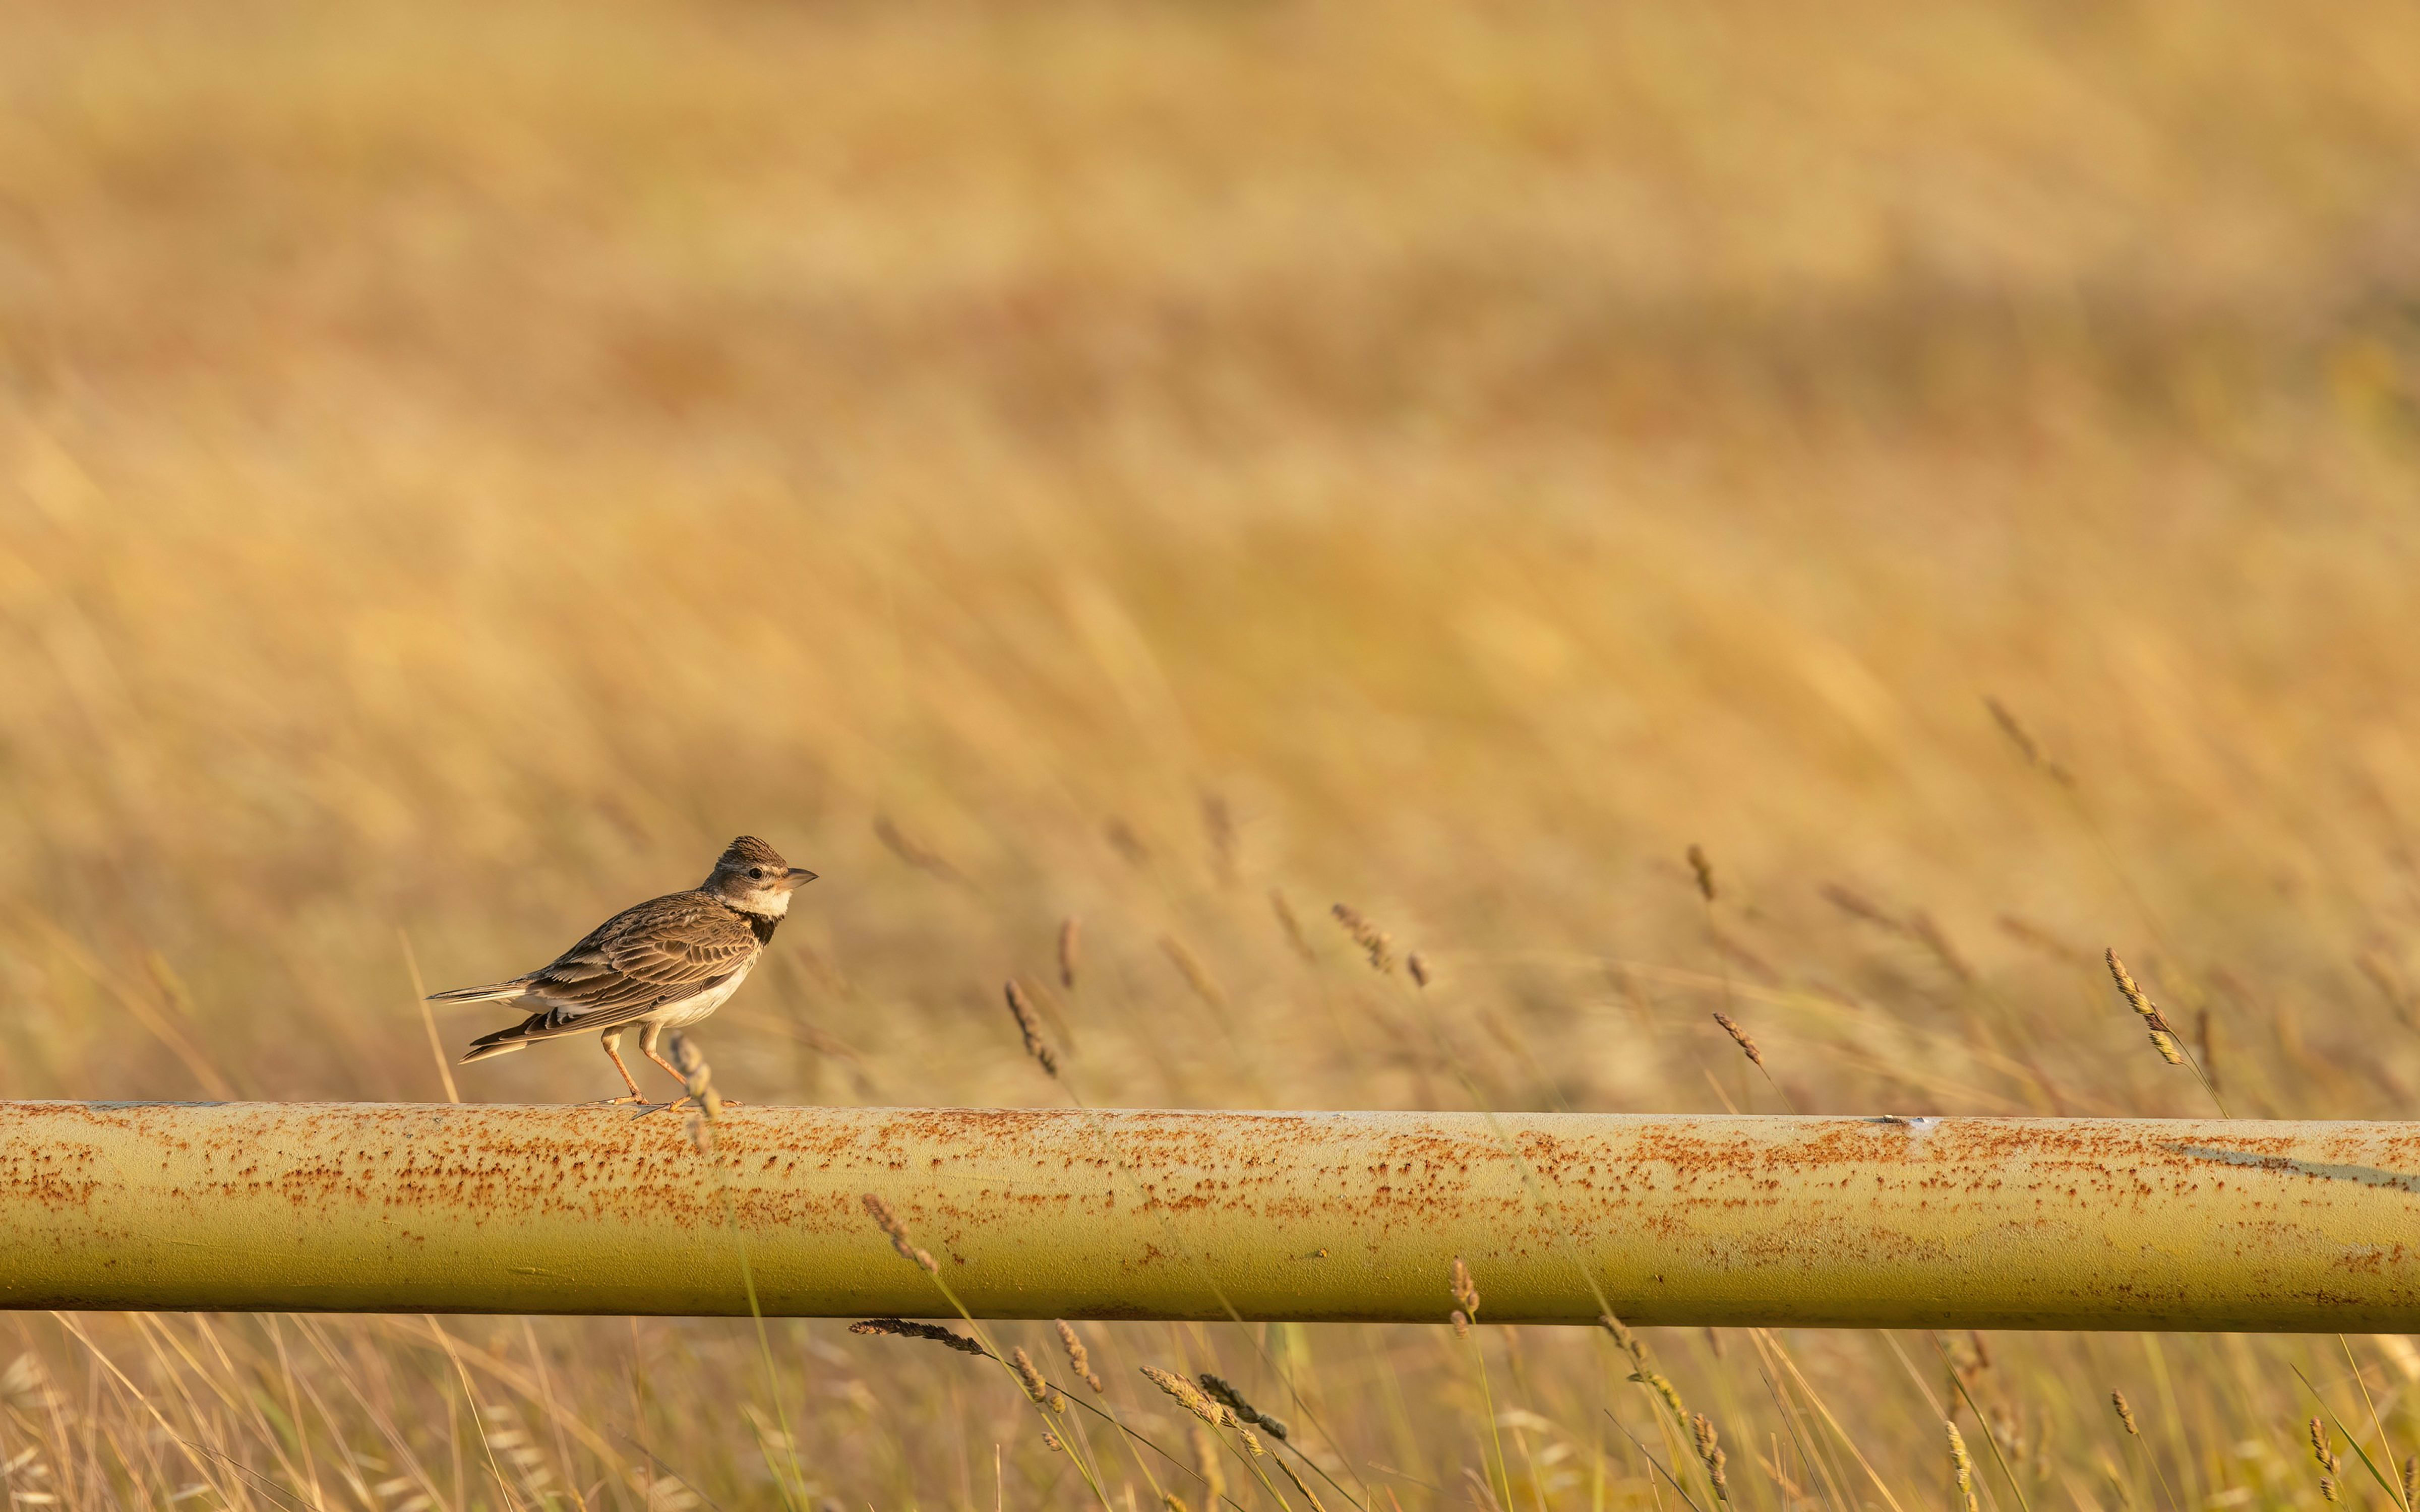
(751, 875)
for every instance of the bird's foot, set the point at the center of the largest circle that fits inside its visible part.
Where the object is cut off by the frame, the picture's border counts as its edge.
(615, 1102)
(684, 1101)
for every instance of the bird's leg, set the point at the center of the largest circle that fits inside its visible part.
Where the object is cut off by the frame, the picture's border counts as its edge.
(648, 1039)
(612, 1040)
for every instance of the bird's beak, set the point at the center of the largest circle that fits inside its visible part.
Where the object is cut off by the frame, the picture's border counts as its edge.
(798, 876)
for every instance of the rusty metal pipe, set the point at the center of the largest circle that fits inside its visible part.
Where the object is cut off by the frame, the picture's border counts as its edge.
(1985, 1222)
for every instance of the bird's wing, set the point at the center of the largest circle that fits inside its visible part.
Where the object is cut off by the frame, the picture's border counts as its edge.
(661, 951)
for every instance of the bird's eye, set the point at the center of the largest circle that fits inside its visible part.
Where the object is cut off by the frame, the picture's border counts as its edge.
(756, 871)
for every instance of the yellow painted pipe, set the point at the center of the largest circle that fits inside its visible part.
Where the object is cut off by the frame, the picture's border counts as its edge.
(1983, 1222)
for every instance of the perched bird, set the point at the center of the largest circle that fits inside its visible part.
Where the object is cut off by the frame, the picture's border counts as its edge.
(667, 962)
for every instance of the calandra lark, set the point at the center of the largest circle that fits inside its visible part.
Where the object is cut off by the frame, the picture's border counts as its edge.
(667, 962)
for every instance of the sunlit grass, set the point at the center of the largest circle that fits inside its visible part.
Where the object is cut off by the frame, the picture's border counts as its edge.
(458, 467)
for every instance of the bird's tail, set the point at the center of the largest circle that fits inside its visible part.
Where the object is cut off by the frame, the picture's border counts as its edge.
(520, 1036)
(490, 993)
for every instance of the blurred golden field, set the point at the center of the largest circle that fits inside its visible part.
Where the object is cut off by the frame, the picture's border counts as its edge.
(461, 465)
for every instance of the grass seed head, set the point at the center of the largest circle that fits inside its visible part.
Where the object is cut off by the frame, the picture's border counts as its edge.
(1418, 966)
(1020, 1008)
(1465, 1295)
(1224, 1393)
(1962, 1465)
(1078, 1359)
(1188, 1394)
(1038, 1390)
(2128, 988)
(889, 1223)
(1710, 1451)
(1621, 1334)
(1374, 942)
(1657, 1382)
(1703, 871)
(697, 1080)
(2125, 1413)
(901, 1328)
(2164, 1039)
(1747, 1046)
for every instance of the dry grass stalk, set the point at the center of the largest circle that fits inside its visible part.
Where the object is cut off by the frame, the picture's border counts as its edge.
(1962, 1466)
(1702, 871)
(1207, 1464)
(889, 1223)
(1029, 1023)
(1218, 823)
(1419, 966)
(1303, 1487)
(1374, 942)
(924, 858)
(1071, 948)
(1128, 844)
(1226, 1395)
(1291, 925)
(2025, 932)
(902, 1328)
(2026, 746)
(1926, 933)
(1078, 1359)
(1858, 906)
(1195, 975)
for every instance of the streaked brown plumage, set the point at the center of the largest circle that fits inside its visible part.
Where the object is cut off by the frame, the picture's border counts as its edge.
(664, 963)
